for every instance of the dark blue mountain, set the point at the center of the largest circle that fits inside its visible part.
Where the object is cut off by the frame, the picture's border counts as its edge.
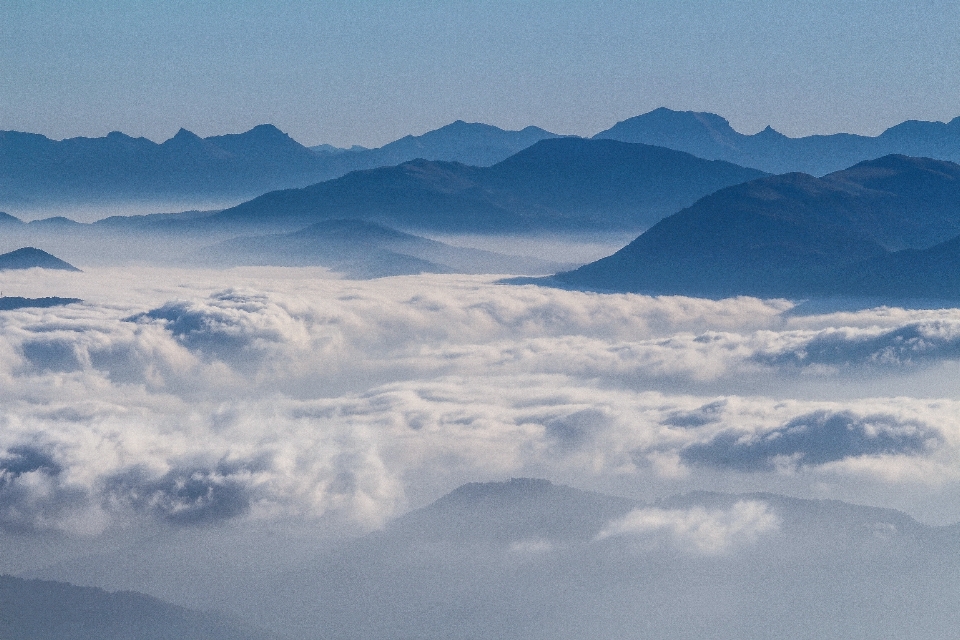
(560, 184)
(29, 257)
(708, 135)
(36, 171)
(474, 144)
(10, 303)
(874, 229)
(931, 274)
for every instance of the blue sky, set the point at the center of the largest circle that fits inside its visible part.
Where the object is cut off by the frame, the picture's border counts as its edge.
(367, 73)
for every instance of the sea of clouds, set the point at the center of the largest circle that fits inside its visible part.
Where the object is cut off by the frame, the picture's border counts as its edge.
(194, 398)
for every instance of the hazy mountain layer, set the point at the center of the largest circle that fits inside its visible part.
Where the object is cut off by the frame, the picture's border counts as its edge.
(43, 610)
(708, 135)
(527, 559)
(560, 184)
(366, 250)
(796, 235)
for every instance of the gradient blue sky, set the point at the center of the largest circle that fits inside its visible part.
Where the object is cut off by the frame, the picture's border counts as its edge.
(370, 72)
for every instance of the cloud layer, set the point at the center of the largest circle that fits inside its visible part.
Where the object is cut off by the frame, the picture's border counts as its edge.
(191, 398)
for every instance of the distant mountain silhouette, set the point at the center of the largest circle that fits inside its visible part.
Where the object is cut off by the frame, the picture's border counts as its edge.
(36, 171)
(43, 610)
(9, 303)
(528, 559)
(474, 144)
(329, 148)
(708, 135)
(795, 235)
(932, 273)
(7, 220)
(562, 184)
(364, 250)
(29, 257)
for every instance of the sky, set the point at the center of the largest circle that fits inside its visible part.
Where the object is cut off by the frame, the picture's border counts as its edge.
(347, 73)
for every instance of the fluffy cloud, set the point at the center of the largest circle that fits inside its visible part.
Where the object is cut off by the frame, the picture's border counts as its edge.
(197, 398)
(705, 531)
(914, 343)
(813, 439)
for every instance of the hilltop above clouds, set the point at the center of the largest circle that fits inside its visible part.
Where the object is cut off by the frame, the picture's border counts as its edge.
(883, 228)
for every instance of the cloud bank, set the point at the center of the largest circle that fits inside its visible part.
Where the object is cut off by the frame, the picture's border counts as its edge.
(197, 398)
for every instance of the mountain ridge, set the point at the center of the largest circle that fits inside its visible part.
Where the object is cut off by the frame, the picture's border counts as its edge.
(361, 249)
(562, 183)
(794, 235)
(38, 171)
(710, 136)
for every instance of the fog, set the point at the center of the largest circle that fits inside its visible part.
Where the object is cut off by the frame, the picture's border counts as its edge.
(177, 411)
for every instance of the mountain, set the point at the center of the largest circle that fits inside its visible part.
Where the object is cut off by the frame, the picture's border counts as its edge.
(561, 184)
(794, 235)
(932, 274)
(29, 257)
(329, 148)
(362, 249)
(44, 610)
(708, 135)
(9, 303)
(526, 558)
(36, 171)
(529, 559)
(474, 144)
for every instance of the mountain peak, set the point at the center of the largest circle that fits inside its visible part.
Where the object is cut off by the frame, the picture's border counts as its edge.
(769, 133)
(474, 492)
(29, 257)
(266, 131)
(6, 218)
(184, 137)
(185, 134)
(706, 135)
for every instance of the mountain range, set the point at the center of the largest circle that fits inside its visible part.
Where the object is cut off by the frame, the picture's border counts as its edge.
(37, 172)
(526, 558)
(529, 559)
(884, 227)
(10, 303)
(557, 184)
(360, 249)
(707, 135)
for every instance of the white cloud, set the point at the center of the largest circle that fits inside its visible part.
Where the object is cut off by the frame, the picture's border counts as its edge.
(699, 530)
(196, 397)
